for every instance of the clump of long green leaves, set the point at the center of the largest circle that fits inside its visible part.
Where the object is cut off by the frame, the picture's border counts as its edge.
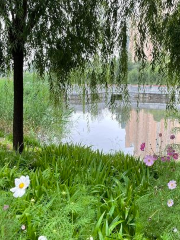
(74, 193)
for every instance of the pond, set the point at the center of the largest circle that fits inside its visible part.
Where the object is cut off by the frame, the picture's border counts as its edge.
(122, 129)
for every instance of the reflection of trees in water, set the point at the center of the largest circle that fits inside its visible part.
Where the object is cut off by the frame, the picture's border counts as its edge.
(157, 114)
(115, 99)
(121, 112)
(95, 102)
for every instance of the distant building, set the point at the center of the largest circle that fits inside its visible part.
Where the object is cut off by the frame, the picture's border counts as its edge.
(168, 10)
(133, 34)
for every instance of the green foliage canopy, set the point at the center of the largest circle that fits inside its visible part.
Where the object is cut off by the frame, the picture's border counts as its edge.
(59, 35)
(55, 36)
(158, 23)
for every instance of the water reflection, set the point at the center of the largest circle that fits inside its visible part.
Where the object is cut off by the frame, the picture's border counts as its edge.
(145, 126)
(121, 128)
(102, 132)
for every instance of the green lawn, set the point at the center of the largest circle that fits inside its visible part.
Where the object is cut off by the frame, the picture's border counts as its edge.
(75, 193)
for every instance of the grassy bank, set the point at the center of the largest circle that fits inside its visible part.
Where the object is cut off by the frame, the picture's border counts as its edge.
(75, 193)
(42, 118)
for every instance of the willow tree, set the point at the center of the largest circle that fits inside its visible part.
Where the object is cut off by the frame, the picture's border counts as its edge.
(55, 36)
(157, 23)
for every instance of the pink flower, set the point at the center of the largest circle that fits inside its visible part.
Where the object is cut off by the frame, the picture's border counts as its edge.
(155, 157)
(175, 156)
(170, 151)
(165, 158)
(170, 148)
(170, 202)
(172, 136)
(172, 184)
(142, 147)
(5, 207)
(160, 134)
(149, 160)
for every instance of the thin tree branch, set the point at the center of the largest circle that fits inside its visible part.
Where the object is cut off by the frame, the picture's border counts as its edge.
(25, 10)
(12, 12)
(4, 11)
(35, 15)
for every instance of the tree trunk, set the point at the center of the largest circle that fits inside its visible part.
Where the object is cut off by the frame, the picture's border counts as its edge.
(18, 144)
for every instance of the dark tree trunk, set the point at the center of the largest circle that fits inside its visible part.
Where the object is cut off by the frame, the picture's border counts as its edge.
(18, 144)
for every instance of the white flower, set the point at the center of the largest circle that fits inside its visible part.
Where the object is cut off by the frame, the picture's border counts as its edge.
(23, 227)
(175, 230)
(170, 202)
(42, 238)
(20, 186)
(172, 184)
(91, 238)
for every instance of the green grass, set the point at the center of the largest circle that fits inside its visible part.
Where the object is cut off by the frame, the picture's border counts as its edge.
(76, 193)
(41, 116)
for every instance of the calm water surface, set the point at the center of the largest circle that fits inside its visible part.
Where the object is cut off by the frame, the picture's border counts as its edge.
(122, 130)
(103, 132)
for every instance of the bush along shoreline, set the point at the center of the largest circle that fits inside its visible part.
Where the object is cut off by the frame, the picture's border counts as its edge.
(71, 192)
(44, 120)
